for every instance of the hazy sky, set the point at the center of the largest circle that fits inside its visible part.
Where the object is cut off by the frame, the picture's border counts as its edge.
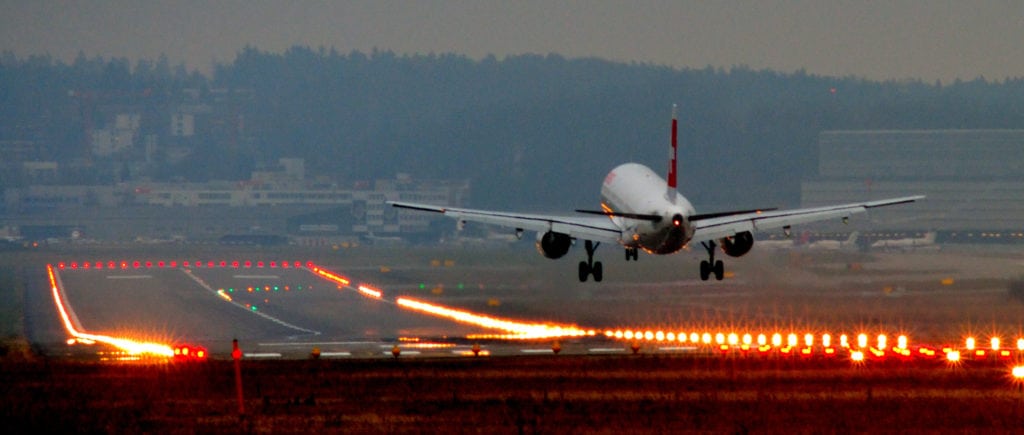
(927, 39)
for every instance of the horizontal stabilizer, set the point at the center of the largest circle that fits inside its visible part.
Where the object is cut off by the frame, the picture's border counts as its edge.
(698, 217)
(637, 216)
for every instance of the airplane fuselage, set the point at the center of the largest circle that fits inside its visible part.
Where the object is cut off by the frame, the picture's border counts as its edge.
(635, 188)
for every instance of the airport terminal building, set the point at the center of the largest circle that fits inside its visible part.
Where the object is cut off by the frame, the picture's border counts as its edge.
(974, 179)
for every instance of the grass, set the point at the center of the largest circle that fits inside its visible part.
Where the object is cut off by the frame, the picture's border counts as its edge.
(536, 394)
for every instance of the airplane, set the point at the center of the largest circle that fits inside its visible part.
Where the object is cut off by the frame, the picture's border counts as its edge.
(908, 244)
(836, 245)
(641, 211)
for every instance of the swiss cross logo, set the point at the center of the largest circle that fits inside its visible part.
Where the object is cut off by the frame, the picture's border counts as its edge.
(609, 178)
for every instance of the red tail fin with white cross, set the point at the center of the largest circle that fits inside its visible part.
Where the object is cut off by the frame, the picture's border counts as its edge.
(670, 192)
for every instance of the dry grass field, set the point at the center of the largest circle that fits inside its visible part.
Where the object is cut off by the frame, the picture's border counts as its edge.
(553, 394)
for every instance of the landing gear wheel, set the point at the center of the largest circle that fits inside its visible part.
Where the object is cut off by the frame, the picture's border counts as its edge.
(632, 254)
(710, 266)
(590, 267)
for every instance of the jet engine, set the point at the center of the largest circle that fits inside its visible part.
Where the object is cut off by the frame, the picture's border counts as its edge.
(553, 245)
(737, 245)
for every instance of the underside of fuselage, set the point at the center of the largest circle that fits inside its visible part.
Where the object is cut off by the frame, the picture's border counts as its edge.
(667, 240)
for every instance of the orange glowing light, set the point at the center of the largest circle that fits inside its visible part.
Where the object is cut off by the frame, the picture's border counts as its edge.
(762, 340)
(694, 338)
(857, 356)
(1020, 344)
(844, 341)
(994, 343)
(969, 343)
(733, 339)
(1018, 373)
(901, 342)
(518, 329)
(371, 292)
(953, 356)
(862, 340)
(130, 347)
(776, 340)
(808, 340)
(331, 277)
(826, 340)
(882, 345)
(791, 340)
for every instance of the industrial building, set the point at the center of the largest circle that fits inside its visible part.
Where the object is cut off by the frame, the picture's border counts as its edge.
(973, 179)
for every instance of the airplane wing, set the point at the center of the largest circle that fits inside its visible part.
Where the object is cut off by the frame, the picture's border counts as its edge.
(726, 226)
(594, 228)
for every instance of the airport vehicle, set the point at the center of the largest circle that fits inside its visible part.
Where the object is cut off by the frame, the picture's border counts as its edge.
(642, 211)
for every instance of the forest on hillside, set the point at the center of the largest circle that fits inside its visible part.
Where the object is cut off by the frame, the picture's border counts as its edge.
(529, 130)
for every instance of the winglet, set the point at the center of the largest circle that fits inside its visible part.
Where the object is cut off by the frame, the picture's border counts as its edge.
(670, 191)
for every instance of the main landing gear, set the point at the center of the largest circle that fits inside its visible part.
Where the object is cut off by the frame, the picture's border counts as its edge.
(709, 266)
(632, 254)
(590, 267)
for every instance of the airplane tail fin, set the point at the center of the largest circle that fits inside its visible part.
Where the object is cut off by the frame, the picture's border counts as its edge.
(670, 190)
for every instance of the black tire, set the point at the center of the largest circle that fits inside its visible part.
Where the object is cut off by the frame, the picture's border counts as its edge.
(598, 271)
(584, 271)
(719, 270)
(705, 270)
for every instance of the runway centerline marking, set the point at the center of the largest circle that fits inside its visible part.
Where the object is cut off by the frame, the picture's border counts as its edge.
(129, 276)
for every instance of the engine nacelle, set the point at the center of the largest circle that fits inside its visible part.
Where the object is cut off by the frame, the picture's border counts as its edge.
(553, 245)
(738, 244)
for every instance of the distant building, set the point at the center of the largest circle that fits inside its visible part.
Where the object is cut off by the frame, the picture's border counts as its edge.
(974, 179)
(283, 206)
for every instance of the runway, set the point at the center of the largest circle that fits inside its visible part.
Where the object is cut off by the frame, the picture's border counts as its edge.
(347, 308)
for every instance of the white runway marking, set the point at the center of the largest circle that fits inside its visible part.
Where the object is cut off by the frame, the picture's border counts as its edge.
(261, 355)
(129, 276)
(607, 350)
(257, 277)
(334, 354)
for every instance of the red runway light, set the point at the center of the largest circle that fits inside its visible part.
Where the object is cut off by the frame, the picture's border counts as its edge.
(248, 264)
(259, 264)
(223, 263)
(60, 265)
(74, 265)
